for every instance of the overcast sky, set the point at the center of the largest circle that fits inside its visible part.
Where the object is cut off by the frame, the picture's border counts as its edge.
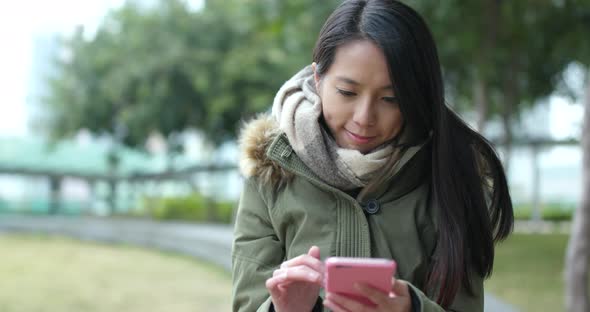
(19, 22)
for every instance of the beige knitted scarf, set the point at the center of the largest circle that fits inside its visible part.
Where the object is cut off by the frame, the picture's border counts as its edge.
(298, 109)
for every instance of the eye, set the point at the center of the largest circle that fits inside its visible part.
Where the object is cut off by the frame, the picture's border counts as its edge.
(390, 99)
(345, 93)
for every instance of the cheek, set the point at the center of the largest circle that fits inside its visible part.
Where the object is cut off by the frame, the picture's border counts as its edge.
(331, 122)
(330, 113)
(333, 118)
(396, 125)
(328, 117)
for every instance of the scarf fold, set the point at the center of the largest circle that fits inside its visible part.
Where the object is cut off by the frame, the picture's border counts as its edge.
(297, 108)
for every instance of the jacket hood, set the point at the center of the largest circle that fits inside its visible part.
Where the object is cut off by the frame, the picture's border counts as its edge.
(255, 139)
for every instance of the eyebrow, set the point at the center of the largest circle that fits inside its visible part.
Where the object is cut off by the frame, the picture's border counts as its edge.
(356, 83)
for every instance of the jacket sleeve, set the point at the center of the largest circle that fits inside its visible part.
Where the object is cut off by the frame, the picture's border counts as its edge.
(256, 251)
(464, 301)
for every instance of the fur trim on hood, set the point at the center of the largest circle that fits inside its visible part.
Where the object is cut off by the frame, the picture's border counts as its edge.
(255, 138)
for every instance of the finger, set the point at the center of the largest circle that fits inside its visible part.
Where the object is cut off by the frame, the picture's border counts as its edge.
(308, 260)
(400, 288)
(282, 282)
(284, 286)
(278, 282)
(374, 294)
(346, 303)
(333, 306)
(314, 251)
(278, 272)
(300, 273)
(272, 285)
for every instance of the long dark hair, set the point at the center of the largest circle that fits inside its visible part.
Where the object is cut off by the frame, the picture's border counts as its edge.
(464, 164)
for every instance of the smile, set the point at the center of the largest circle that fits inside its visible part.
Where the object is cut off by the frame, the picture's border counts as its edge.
(359, 138)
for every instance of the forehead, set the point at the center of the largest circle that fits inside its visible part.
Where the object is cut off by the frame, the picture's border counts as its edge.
(361, 61)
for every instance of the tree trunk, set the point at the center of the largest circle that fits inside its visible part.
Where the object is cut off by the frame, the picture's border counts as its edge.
(578, 250)
(511, 97)
(481, 100)
(113, 161)
(55, 191)
(536, 215)
(509, 103)
(489, 32)
(112, 199)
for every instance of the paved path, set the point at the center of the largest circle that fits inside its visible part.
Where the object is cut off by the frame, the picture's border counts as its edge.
(205, 241)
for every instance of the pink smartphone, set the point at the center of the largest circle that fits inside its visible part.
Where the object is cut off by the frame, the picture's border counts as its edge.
(342, 273)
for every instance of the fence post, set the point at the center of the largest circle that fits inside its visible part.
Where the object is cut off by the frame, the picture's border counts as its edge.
(536, 195)
(55, 189)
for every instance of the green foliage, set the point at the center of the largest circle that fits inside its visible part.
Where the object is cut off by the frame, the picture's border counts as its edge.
(518, 50)
(194, 207)
(166, 68)
(225, 211)
(552, 211)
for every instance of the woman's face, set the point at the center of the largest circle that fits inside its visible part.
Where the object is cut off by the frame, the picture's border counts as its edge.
(358, 102)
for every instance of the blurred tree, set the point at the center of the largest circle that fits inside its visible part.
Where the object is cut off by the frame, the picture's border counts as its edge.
(500, 57)
(519, 52)
(135, 73)
(577, 258)
(578, 251)
(166, 68)
(273, 41)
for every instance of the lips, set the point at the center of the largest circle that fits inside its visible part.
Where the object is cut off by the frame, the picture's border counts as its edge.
(359, 138)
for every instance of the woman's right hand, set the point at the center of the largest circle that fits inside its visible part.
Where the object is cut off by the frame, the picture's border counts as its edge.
(295, 286)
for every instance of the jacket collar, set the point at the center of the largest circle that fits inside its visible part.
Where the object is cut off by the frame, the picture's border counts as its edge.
(411, 172)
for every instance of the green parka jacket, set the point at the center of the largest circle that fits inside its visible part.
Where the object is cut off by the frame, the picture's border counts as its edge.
(285, 208)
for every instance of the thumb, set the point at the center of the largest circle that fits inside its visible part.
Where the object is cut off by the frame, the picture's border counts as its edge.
(400, 288)
(314, 251)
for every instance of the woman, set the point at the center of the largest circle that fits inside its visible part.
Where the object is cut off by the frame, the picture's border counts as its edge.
(362, 158)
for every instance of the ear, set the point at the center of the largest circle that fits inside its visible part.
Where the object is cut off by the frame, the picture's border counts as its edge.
(316, 76)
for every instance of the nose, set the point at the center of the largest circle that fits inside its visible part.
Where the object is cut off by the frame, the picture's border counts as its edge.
(364, 113)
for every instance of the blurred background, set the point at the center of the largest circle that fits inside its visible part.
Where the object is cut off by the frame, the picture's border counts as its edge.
(121, 117)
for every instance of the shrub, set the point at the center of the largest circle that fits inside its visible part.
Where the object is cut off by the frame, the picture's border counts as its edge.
(558, 211)
(552, 211)
(225, 211)
(194, 207)
(522, 212)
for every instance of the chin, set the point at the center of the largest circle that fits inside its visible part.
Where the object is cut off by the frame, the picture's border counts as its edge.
(362, 149)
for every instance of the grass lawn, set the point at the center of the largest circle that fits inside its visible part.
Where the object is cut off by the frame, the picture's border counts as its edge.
(41, 273)
(528, 272)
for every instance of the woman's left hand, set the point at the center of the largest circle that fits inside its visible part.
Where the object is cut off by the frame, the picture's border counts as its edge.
(397, 301)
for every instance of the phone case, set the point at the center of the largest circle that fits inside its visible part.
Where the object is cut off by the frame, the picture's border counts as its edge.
(343, 272)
